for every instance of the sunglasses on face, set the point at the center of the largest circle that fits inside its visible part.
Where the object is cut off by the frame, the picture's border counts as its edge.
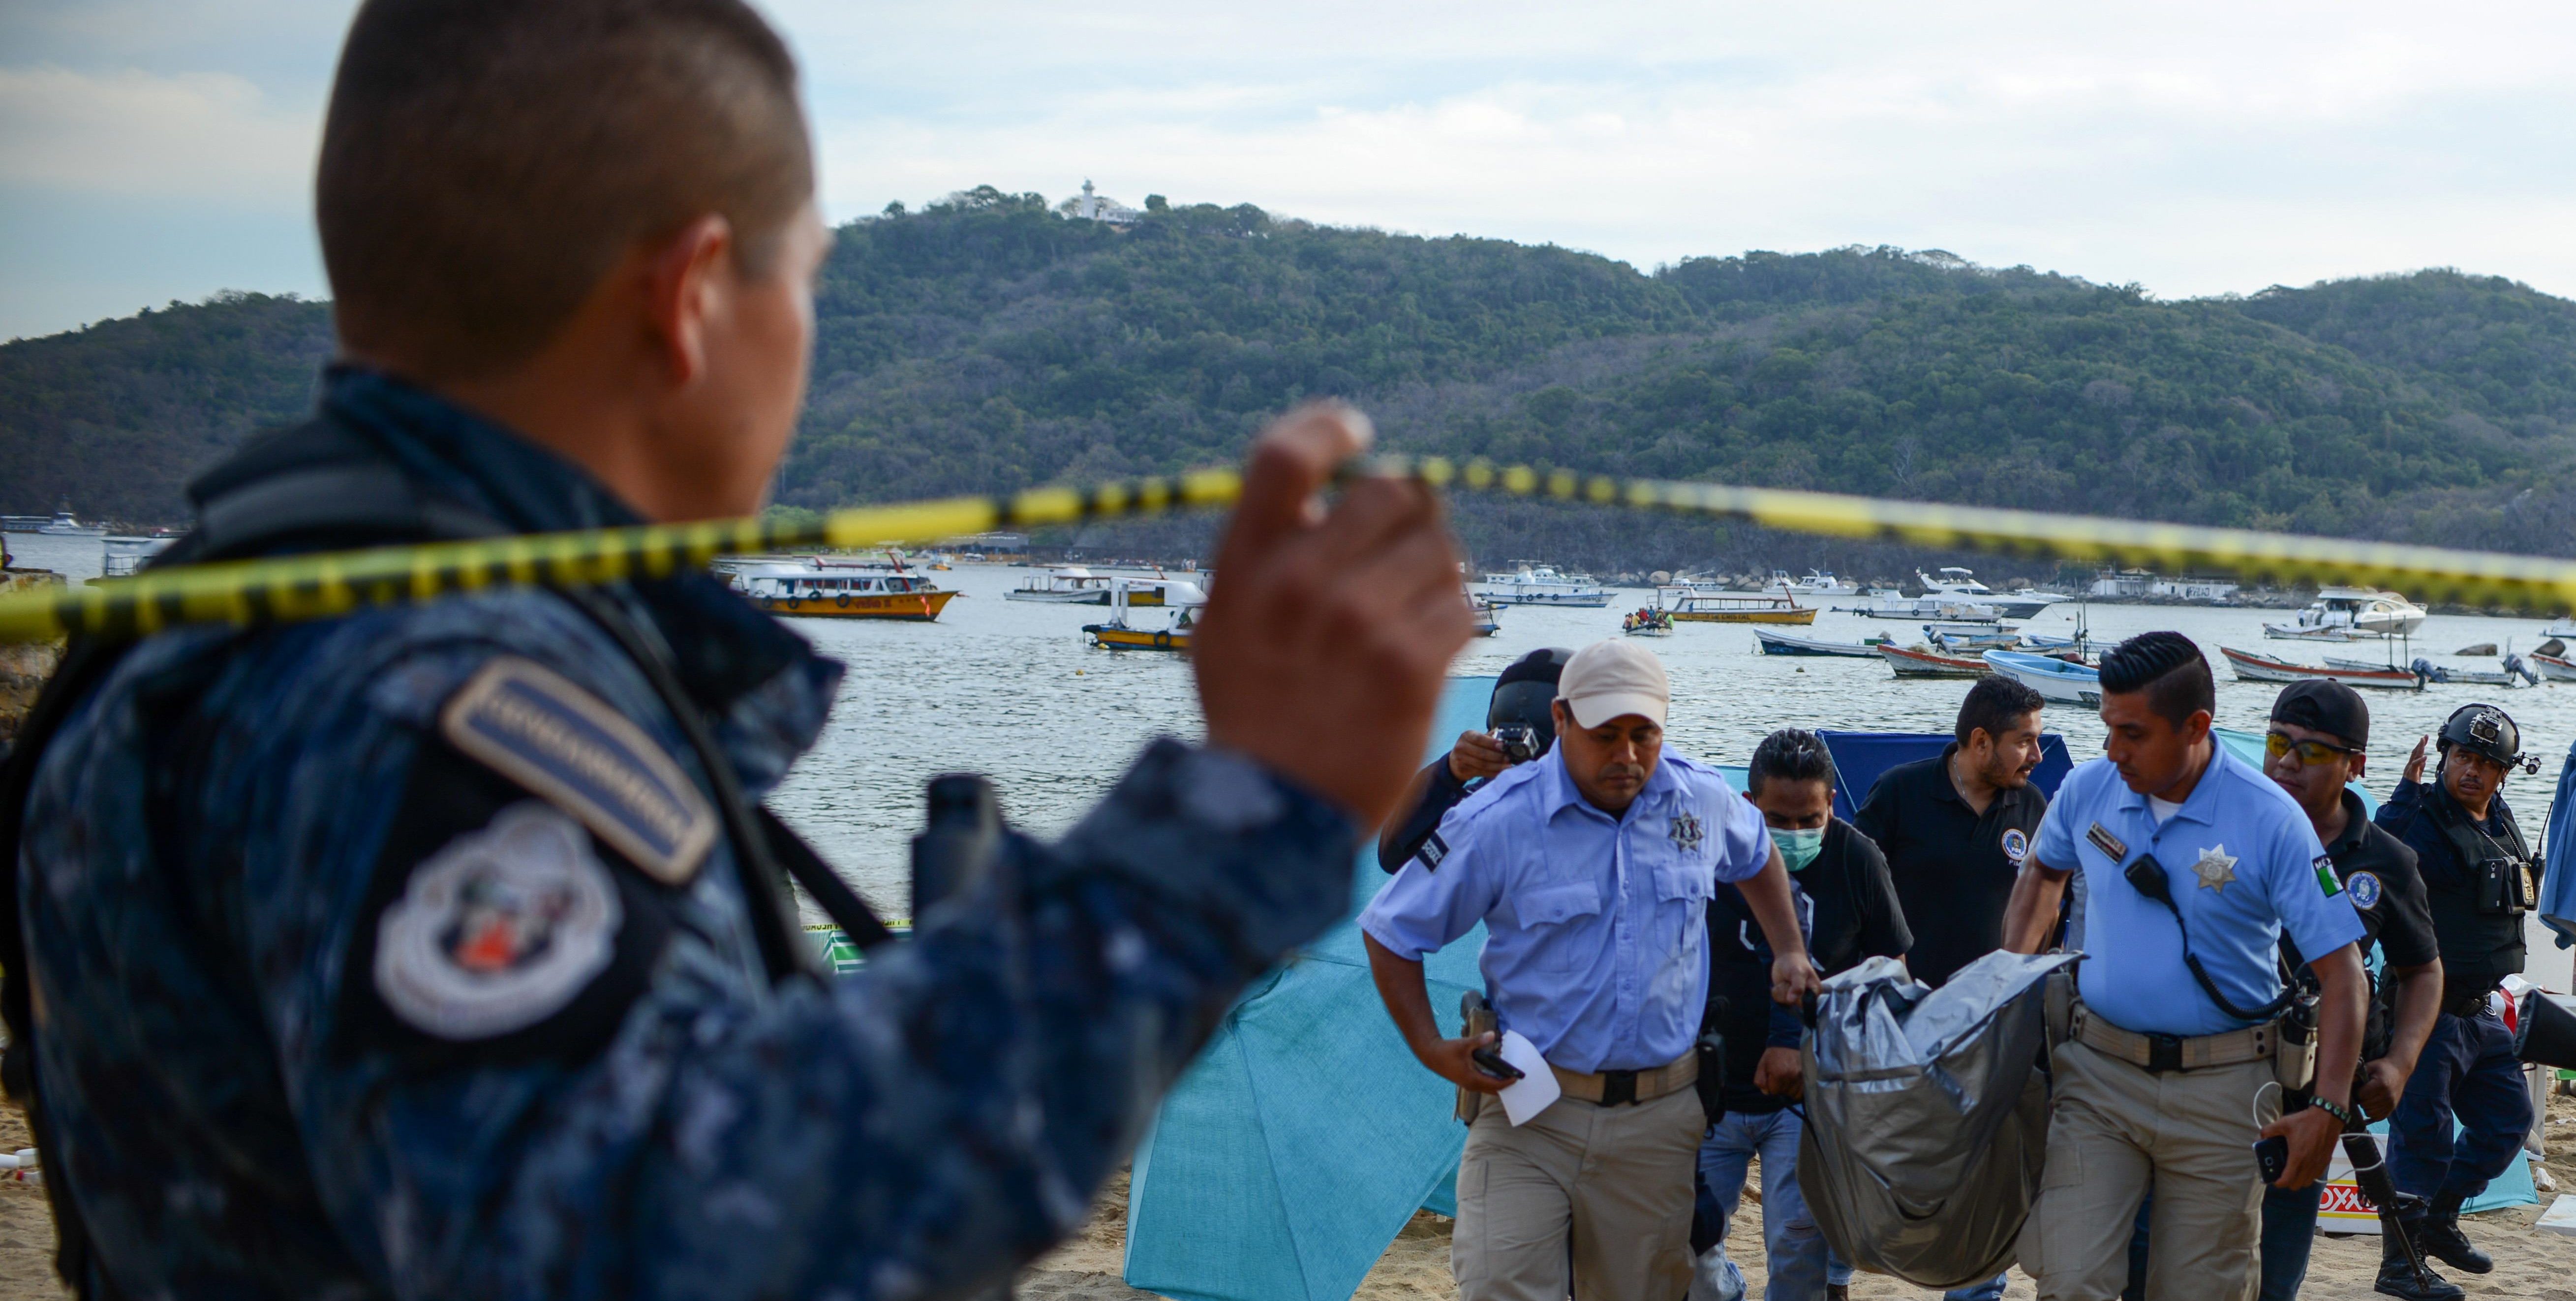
(2311, 753)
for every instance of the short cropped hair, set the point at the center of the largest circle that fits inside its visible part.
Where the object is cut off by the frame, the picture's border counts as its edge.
(1995, 704)
(485, 163)
(1790, 755)
(2169, 668)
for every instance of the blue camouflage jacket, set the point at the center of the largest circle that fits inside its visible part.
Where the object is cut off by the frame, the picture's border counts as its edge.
(399, 955)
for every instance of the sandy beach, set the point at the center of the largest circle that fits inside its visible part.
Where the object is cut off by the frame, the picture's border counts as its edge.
(2530, 1265)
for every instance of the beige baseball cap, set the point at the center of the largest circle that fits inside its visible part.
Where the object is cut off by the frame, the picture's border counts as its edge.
(1609, 678)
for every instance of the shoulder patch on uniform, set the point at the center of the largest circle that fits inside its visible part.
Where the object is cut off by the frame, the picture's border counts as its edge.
(537, 728)
(2016, 845)
(499, 929)
(2112, 846)
(1433, 850)
(2364, 889)
(2326, 878)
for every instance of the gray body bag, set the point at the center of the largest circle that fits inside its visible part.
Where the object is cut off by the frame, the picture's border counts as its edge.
(1927, 1115)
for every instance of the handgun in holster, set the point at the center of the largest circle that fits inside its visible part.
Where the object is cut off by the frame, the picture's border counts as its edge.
(1478, 1018)
(1710, 1048)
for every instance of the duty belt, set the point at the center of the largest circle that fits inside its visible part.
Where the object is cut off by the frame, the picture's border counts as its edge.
(2170, 1052)
(1610, 1088)
(2467, 1007)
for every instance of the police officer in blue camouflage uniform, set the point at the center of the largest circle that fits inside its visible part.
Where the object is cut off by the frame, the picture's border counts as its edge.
(437, 950)
(2481, 880)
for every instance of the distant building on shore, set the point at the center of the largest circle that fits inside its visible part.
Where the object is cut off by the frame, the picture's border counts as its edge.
(2145, 585)
(1091, 206)
(991, 544)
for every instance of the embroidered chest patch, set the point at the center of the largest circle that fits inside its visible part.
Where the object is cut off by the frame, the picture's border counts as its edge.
(2216, 868)
(500, 928)
(1687, 833)
(2016, 845)
(2364, 888)
(538, 729)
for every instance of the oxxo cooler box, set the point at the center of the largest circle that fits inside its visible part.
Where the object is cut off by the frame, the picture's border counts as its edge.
(2342, 1210)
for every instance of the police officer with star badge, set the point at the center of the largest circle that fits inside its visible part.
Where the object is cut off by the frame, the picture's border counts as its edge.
(2195, 866)
(2482, 880)
(439, 950)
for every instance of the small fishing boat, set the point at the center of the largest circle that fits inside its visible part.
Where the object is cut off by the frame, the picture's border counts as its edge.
(817, 588)
(2343, 613)
(1918, 662)
(2556, 668)
(122, 557)
(1119, 634)
(1489, 616)
(1647, 621)
(1543, 585)
(2055, 680)
(1691, 605)
(1971, 636)
(2251, 667)
(1789, 643)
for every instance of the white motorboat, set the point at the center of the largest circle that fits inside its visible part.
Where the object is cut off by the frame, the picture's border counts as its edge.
(1954, 581)
(1880, 604)
(1816, 586)
(1069, 585)
(62, 525)
(2351, 612)
(2556, 668)
(2250, 667)
(1543, 585)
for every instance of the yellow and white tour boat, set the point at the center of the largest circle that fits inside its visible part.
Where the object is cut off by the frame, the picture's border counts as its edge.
(817, 588)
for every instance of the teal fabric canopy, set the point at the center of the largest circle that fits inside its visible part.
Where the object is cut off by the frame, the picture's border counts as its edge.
(1295, 1148)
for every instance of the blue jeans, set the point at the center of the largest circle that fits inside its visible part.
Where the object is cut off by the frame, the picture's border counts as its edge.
(1801, 1265)
(2468, 1069)
(2289, 1234)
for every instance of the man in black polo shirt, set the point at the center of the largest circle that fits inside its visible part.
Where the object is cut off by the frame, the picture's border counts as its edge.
(2315, 750)
(1955, 828)
(1849, 911)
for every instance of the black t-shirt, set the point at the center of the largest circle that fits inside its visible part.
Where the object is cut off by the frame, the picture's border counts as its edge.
(1953, 867)
(1848, 909)
(2380, 876)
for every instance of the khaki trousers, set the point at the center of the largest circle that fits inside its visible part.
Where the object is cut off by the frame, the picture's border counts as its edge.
(2114, 1131)
(1616, 1179)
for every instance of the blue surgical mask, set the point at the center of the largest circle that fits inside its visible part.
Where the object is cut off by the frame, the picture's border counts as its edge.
(1799, 848)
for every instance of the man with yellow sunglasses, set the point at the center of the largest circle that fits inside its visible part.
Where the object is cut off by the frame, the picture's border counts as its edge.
(2315, 749)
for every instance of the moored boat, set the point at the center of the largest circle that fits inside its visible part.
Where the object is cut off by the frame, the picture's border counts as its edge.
(1543, 585)
(1790, 643)
(1817, 585)
(1690, 605)
(2054, 679)
(1119, 634)
(62, 525)
(1918, 662)
(2556, 668)
(814, 588)
(2343, 613)
(2251, 667)
(1068, 585)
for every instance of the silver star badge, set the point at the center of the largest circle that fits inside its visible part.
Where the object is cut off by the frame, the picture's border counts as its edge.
(2215, 869)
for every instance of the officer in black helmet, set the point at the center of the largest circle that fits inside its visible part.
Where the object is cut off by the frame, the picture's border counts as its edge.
(2481, 879)
(1518, 728)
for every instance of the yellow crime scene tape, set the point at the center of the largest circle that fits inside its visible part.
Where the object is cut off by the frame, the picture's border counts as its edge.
(326, 585)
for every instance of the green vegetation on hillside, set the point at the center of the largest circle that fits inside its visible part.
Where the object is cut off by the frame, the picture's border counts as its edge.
(988, 344)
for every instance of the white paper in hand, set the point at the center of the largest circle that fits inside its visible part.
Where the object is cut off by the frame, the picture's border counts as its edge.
(1536, 1087)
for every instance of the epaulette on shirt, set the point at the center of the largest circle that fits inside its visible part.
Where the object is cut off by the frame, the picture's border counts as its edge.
(569, 748)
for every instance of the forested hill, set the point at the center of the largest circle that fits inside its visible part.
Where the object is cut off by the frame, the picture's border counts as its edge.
(988, 343)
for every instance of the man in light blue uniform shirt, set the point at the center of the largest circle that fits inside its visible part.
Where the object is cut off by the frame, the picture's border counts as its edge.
(1591, 870)
(2195, 864)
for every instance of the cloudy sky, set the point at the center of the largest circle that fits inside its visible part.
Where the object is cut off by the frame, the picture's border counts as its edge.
(160, 149)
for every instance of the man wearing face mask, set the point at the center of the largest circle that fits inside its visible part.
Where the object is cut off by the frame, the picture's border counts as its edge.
(1591, 872)
(2481, 880)
(1849, 908)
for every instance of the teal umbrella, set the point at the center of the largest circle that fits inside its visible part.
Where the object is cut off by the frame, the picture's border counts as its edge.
(1295, 1148)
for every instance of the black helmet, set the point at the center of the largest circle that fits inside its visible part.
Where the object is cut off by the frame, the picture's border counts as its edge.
(2487, 732)
(1524, 691)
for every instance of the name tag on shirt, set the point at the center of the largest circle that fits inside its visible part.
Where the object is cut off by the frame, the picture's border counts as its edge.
(2109, 844)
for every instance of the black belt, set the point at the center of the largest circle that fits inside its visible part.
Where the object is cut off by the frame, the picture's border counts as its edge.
(2467, 1007)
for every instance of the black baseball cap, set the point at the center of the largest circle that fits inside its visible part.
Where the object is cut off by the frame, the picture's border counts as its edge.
(2325, 705)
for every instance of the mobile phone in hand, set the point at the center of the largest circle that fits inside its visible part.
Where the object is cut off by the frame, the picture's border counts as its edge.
(1491, 1062)
(2273, 1154)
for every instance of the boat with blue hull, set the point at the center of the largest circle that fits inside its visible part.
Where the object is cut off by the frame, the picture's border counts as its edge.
(2056, 680)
